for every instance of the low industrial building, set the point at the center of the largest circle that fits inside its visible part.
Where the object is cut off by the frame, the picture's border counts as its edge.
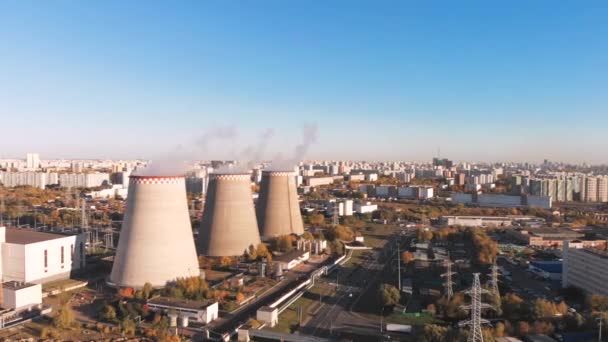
(364, 208)
(30, 256)
(199, 311)
(318, 181)
(585, 268)
(21, 296)
(475, 221)
(551, 237)
(502, 201)
(291, 259)
(268, 315)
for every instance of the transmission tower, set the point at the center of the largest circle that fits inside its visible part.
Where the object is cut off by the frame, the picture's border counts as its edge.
(475, 292)
(448, 284)
(84, 220)
(494, 280)
(335, 214)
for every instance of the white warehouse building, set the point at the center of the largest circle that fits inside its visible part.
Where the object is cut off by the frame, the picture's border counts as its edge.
(38, 257)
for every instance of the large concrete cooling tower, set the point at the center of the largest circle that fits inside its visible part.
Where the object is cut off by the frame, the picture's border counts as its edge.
(277, 210)
(228, 225)
(156, 243)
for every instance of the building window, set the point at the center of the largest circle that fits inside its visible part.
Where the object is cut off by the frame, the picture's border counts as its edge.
(62, 255)
(46, 258)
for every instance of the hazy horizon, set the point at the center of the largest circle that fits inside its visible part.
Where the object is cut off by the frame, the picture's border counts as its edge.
(380, 80)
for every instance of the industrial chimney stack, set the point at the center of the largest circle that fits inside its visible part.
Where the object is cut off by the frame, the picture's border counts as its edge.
(278, 209)
(228, 225)
(156, 243)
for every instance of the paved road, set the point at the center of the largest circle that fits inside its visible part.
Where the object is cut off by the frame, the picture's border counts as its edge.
(334, 315)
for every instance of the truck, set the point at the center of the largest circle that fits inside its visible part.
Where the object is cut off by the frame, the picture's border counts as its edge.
(399, 328)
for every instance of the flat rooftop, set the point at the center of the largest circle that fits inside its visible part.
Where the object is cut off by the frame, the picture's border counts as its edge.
(180, 303)
(16, 285)
(25, 237)
(287, 257)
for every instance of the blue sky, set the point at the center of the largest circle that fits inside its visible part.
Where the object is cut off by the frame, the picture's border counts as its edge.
(516, 80)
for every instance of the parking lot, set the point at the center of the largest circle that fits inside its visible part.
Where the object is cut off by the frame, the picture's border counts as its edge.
(526, 284)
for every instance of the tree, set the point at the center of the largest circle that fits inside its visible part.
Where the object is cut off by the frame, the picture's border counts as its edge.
(240, 297)
(64, 319)
(147, 290)
(499, 329)
(317, 219)
(307, 236)
(597, 302)
(434, 333)
(514, 307)
(128, 327)
(407, 257)
(388, 295)
(108, 313)
(523, 328)
(251, 253)
(543, 328)
(226, 261)
(263, 252)
(285, 243)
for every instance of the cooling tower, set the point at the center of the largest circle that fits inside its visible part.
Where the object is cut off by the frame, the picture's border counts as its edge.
(228, 225)
(277, 210)
(156, 243)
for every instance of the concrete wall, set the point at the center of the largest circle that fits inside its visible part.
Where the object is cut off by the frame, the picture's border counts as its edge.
(156, 243)
(35, 270)
(25, 263)
(229, 224)
(278, 209)
(22, 298)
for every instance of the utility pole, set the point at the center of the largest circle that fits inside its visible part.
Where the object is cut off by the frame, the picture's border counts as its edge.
(599, 333)
(448, 285)
(476, 306)
(399, 267)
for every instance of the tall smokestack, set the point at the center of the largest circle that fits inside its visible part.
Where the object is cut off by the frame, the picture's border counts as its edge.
(228, 225)
(156, 243)
(277, 210)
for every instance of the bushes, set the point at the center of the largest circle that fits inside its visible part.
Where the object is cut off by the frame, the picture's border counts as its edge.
(193, 288)
(388, 295)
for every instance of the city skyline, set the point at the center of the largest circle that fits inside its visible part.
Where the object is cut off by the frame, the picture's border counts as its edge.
(380, 81)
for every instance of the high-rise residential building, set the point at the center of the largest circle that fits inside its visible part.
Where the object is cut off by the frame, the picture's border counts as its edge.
(591, 189)
(602, 188)
(83, 180)
(77, 167)
(32, 161)
(29, 178)
(585, 268)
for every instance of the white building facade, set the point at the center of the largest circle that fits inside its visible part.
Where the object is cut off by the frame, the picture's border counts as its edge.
(39, 257)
